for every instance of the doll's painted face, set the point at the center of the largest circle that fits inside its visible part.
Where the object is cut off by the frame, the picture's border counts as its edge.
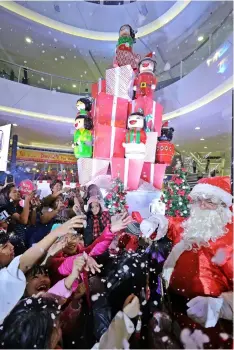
(124, 31)
(80, 105)
(135, 121)
(146, 66)
(79, 123)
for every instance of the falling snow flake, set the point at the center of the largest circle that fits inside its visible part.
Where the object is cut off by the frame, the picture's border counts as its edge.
(109, 285)
(95, 297)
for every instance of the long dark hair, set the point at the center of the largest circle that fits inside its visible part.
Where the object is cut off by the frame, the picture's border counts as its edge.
(88, 231)
(30, 324)
(6, 191)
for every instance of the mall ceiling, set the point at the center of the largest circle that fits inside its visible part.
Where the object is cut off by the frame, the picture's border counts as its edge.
(56, 52)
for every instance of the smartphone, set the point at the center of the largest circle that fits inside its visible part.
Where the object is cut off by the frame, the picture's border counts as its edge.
(4, 216)
(9, 179)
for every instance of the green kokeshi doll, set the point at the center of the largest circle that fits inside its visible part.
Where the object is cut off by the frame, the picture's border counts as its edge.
(83, 145)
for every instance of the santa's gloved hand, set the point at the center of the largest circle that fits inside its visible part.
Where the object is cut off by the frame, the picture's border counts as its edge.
(205, 310)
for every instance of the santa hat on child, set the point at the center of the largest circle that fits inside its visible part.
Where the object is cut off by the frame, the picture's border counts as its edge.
(218, 187)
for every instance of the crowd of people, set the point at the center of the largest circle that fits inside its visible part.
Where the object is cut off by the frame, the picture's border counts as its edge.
(74, 277)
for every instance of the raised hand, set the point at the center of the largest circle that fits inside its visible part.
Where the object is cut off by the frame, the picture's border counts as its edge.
(91, 264)
(78, 265)
(121, 224)
(69, 226)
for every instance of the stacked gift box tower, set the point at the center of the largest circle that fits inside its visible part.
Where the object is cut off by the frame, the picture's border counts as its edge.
(110, 110)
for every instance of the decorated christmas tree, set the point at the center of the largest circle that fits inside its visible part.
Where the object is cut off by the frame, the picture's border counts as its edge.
(176, 194)
(115, 200)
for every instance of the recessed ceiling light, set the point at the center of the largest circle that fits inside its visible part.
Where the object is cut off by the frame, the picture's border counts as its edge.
(205, 147)
(177, 145)
(197, 128)
(28, 40)
(202, 139)
(15, 124)
(200, 38)
(74, 85)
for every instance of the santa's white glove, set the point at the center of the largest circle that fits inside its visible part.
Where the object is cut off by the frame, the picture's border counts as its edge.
(205, 310)
(133, 308)
(155, 222)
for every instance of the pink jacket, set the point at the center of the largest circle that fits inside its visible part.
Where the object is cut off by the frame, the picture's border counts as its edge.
(60, 289)
(107, 236)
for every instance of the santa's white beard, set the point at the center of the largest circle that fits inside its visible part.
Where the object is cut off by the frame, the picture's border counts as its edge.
(205, 225)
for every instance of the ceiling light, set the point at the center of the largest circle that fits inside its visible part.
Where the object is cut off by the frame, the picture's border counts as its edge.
(74, 85)
(177, 145)
(28, 40)
(197, 128)
(205, 147)
(15, 125)
(202, 139)
(200, 38)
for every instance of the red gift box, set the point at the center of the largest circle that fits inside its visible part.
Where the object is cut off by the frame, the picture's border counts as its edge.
(89, 169)
(128, 170)
(154, 174)
(108, 142)
(110, 110)
(165, 152)
(98, 87)
(152, 111)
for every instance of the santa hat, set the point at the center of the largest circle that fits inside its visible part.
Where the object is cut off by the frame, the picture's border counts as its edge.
(218, 187)
(149, 57)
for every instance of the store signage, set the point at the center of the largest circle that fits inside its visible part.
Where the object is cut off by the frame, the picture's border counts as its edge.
(45, 157)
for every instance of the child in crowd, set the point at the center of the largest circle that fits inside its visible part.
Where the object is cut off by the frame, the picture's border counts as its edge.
(97, 219)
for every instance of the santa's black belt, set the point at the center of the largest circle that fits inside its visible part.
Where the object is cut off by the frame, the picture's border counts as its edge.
(144, 85)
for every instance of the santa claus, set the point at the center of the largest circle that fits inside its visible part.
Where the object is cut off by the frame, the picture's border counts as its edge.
(146, 81)
(198, 273)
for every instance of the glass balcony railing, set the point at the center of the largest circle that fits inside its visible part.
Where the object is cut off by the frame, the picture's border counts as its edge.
(32, 77)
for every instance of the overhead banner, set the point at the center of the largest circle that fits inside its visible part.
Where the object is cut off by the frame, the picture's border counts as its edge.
(5, 133)
(45, 157)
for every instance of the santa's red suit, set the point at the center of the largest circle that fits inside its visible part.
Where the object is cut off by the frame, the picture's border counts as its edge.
(145, 84)
(198, 286)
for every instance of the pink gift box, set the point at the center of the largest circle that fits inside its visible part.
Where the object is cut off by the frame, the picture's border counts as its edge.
(119, 81)
(98, 87)
(108, 142)
(110, 110)
(152, 111)
(154, 174)
(89, 169)
(128, 170)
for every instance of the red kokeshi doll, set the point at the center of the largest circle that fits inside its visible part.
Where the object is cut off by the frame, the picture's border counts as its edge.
(146, 81)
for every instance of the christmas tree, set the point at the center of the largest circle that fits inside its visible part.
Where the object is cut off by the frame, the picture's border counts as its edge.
(176, 194)
(115, 200)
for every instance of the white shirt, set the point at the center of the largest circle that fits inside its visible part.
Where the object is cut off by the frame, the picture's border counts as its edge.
(12, 287)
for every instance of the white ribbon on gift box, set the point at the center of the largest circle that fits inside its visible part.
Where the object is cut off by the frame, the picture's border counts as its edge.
(113, 111)
(152, 167)
(126, 168)
(112, 143)
(99, 85)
